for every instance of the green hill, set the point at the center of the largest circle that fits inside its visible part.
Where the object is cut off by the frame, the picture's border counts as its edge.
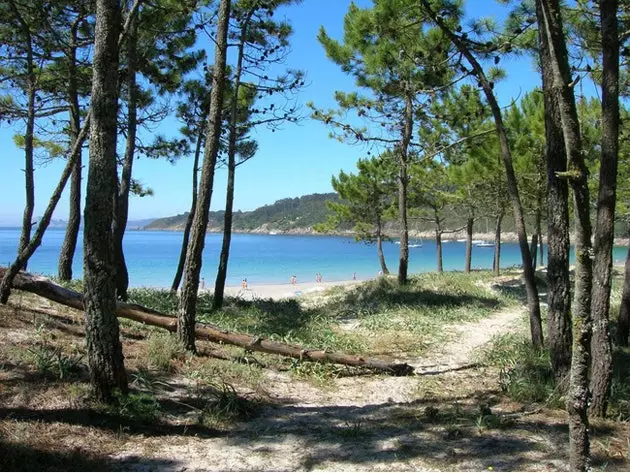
(285, 215)
(300, 214)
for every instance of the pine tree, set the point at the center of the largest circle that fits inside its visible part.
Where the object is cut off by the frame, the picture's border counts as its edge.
(555, 65)
(73, 154)
(193, 111)
(105, 358)
(461, 134)
(261, 43)
(468, 48)
(431, 192)
(366, 201)
(402, 64)
(79, 36)
(157, 53)
(192, 269)
(25, 56)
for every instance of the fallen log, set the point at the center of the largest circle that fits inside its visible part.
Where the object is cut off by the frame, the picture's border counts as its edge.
(46, 288)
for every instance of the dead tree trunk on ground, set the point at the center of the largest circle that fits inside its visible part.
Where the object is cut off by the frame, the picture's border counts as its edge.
(45, 288)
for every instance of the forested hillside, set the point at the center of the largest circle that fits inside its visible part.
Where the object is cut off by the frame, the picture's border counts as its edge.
(301, 214)
(283, 215)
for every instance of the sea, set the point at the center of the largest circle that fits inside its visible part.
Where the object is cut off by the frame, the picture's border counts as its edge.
(152, 257)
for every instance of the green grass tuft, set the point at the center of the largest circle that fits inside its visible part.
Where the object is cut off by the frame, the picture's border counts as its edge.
(161, 349)
(525, 372)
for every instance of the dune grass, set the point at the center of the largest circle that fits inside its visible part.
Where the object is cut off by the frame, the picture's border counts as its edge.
(358, 320)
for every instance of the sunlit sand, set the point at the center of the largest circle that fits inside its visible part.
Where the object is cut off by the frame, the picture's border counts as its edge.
(284, 291)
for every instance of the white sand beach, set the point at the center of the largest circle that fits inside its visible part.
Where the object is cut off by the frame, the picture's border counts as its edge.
(284, 291)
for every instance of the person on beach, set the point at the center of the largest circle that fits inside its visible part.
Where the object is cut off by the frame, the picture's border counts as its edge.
(244, 283)
(354, 276)
(293, 279)
(203, 283)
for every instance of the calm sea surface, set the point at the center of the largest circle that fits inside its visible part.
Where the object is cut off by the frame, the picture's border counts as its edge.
(263, 259)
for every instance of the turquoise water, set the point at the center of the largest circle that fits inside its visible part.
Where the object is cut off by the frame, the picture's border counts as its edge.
(262, 259)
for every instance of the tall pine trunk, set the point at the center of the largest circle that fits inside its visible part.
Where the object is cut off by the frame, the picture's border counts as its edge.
(469, 236)
(403, 183)
(379, 247)
(219, 285)
(68, 248)
(550, 22)
(533, 303)
(121, 211)
(623, 327)
(496, 262)
(438, 244)
(601, 353)
(533, 249)
(105, 358)
(559, 336)
(193, 205)
(541, 248)
(29, 170)
(192, 270)
(531, 289)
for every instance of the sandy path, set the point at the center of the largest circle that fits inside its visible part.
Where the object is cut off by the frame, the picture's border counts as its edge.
(451, 357)
(315, 428)
(467, 338)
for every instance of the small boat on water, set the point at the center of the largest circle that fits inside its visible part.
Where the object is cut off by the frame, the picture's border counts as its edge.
(411, 245)
(273, 233)
(485, 244)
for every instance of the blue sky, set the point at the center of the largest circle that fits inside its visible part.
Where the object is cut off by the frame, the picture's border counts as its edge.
(299, 159)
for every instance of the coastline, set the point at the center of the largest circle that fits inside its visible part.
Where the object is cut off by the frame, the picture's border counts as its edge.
(447, 237)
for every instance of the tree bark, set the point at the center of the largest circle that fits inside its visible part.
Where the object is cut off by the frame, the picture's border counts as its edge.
(29, 170)
(519, 220)
(188, 297)
(550, 22)
(496, 263)
(623, 327)
(45, 288)
(541, 248)
(379, 247)
(193, 205)
(219, 284)
(533, 249)
(601, 354)
(69, 245)
(469, 236)
(438, 244)
(559, 337)
(403, 183)
(105, 358)
(121, 211)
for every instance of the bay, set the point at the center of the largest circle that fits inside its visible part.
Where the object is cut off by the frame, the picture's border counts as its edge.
(263, 259)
